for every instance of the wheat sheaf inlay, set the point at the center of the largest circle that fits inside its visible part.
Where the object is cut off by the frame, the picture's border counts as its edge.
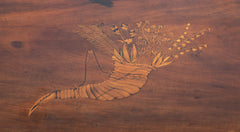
(132, 65)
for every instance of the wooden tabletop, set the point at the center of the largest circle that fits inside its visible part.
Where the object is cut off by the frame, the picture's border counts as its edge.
(40, 52)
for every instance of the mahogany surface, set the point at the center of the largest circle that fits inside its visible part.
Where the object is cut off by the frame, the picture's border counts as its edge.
(40, 52)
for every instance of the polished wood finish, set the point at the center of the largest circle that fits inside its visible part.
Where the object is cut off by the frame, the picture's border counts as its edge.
(40, 52)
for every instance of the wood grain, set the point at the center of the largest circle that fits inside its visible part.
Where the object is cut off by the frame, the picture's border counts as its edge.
(39, 53)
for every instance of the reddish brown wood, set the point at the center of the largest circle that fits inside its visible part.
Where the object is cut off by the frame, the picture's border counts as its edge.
(39, 53)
